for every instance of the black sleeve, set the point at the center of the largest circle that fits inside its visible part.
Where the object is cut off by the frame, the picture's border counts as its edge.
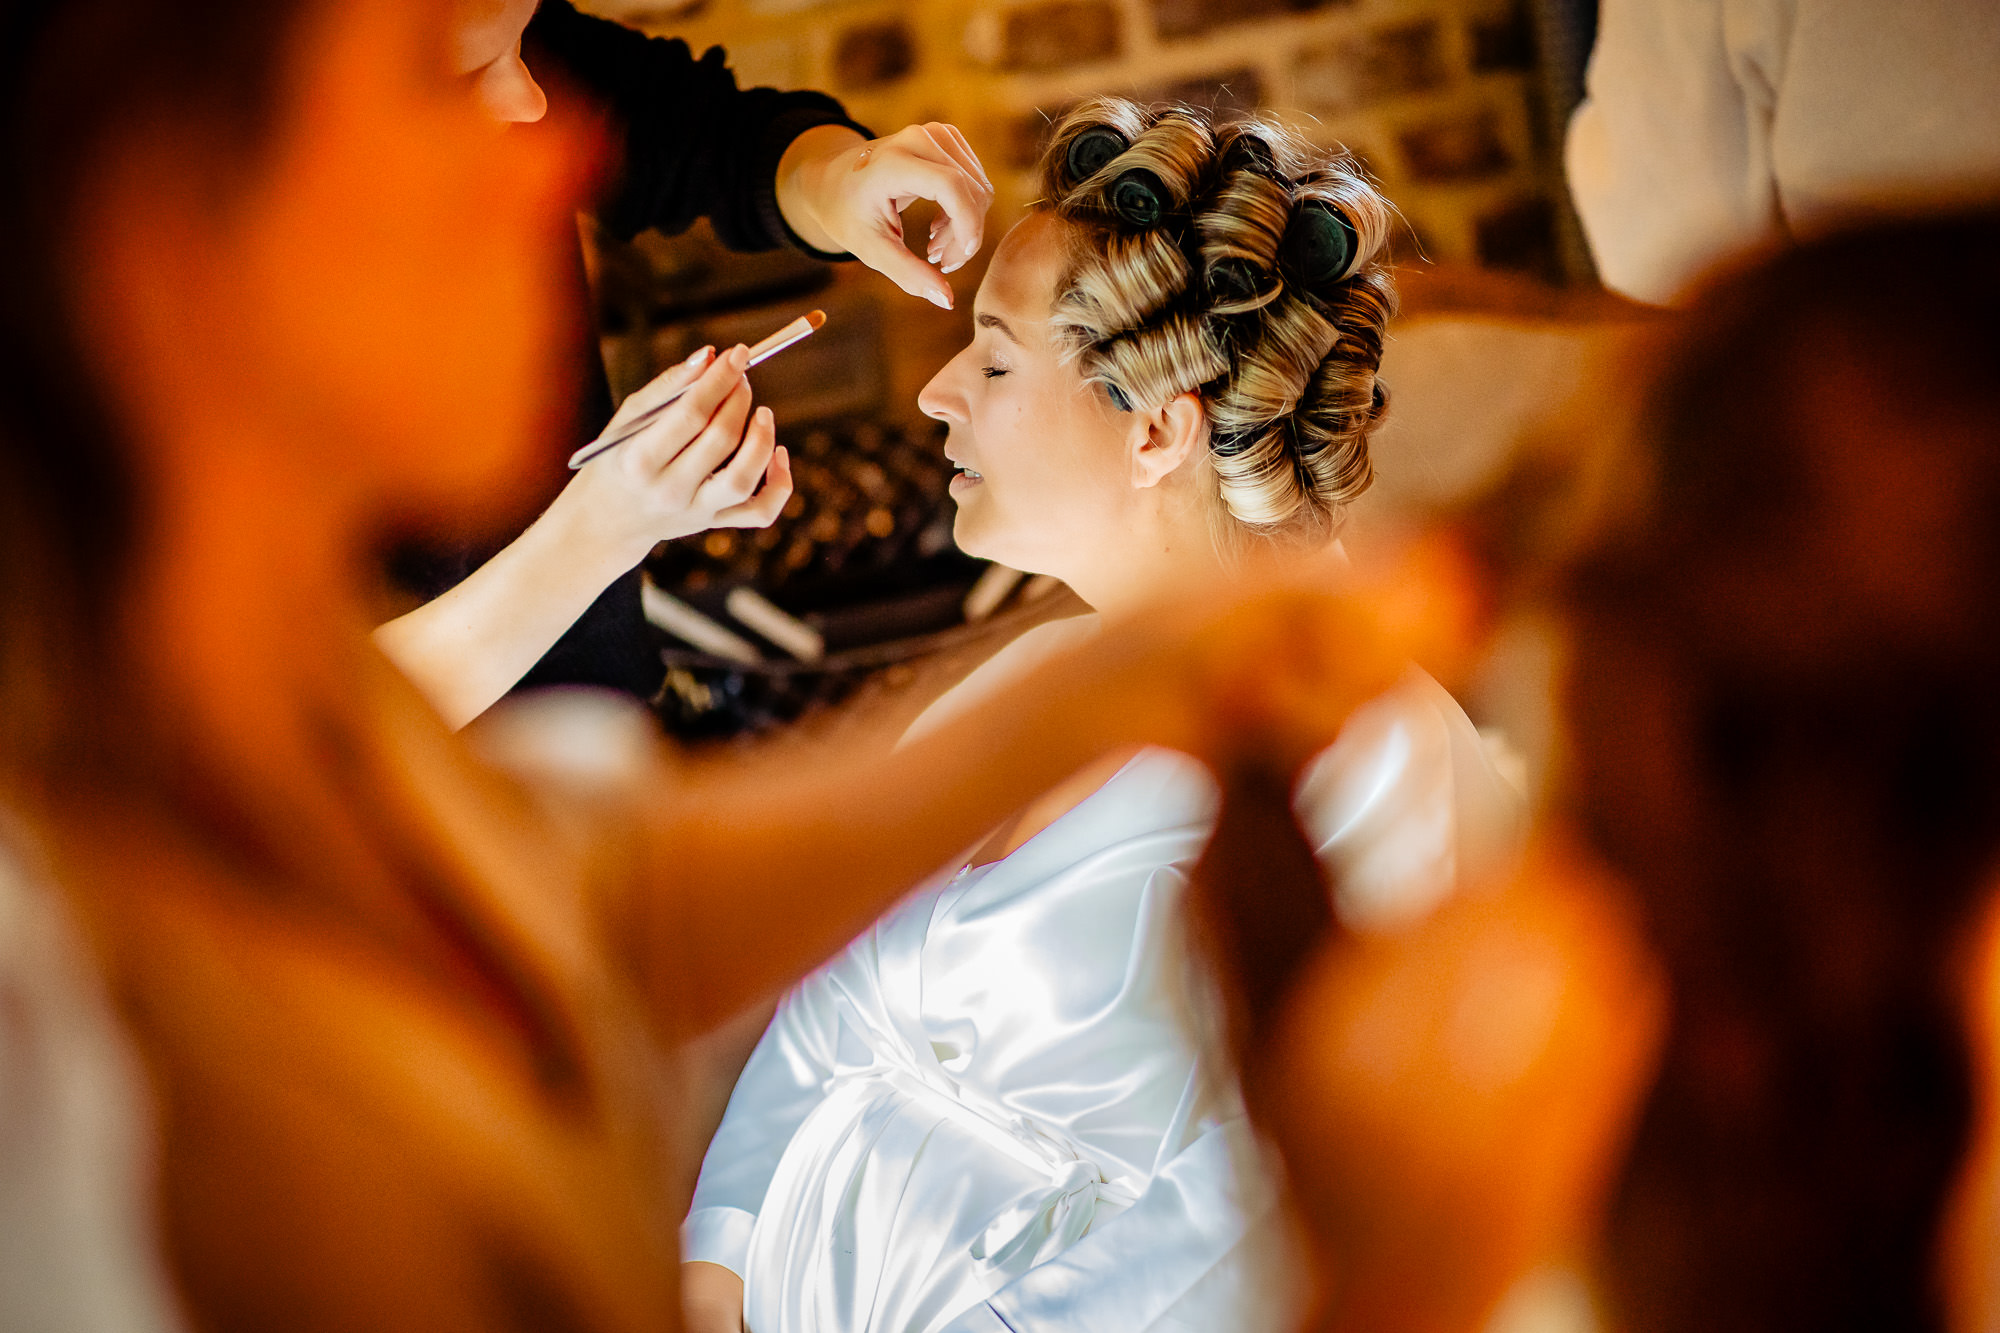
(696, 145)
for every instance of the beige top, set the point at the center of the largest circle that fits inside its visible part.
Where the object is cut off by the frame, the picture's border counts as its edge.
(78, 1249)
(1712, 127)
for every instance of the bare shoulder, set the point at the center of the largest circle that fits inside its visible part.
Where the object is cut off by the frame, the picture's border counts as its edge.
(1014, 661)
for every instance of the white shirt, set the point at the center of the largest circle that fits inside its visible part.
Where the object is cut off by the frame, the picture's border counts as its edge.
(991, 1111)
(78, 1252)
(1715, 127)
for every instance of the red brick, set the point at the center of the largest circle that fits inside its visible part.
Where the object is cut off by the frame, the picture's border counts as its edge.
(1520, 235)
(1503, 41)
(873, 54)
(1190, 18)
(1019, 139)
(1373, 65)
(1239, 89)
(1456, 149)
(1058, 34)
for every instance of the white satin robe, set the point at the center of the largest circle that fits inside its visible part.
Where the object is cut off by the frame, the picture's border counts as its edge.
(989, 1112)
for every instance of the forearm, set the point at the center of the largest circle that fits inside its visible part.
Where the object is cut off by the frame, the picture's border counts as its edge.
(775, 866)
(468, 647)
(711, 1298)
(758, 870)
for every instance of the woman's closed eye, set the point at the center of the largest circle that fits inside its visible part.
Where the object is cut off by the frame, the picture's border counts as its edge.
(993, 372)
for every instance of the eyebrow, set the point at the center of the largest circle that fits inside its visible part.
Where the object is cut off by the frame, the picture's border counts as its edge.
(986, 321)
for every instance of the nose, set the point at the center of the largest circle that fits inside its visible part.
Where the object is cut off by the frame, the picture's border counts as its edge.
(943, 399)
(509, 92)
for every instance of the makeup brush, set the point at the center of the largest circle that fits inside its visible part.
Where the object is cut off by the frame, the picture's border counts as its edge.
(797, 331)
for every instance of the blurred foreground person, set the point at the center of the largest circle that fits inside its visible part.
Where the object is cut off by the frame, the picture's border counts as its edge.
(1713, 129)
(1783, 784)
(989, 1112)
(404, 1015)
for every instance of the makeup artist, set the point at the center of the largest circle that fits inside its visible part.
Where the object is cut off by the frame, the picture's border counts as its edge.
(767, 169)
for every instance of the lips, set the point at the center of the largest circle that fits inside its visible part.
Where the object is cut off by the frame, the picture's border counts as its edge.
(965, 474)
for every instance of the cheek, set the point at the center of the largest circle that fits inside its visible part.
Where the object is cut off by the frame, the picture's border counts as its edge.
(1063, 451)
(413, 259)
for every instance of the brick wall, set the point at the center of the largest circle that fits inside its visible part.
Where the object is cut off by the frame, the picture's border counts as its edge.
(1435, 95)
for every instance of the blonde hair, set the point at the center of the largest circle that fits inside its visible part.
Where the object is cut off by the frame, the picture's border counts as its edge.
(1193, 268)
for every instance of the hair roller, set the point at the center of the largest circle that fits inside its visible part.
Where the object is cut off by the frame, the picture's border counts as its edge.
(1155, 363)
(1258, 479)
(1319, 246)
(1247, 151)
(1138, 198)
(1235, 286)
(1141, 274)
(1103, 121)
(1239, 232)
(1177, 149)
(1093, 150)
(1240, 263)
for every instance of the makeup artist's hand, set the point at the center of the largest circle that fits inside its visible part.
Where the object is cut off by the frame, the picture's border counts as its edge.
(841, 192)
(698, 466)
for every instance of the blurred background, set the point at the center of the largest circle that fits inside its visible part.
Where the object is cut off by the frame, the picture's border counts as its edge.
(1456, 106)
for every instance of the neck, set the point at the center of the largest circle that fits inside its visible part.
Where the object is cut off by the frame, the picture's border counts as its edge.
(1166, 548)
(243, 615)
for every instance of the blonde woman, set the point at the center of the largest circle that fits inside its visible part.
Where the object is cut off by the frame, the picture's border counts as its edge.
(988, 1113)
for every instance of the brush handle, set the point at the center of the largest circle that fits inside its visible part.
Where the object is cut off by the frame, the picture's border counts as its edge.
(793, 332)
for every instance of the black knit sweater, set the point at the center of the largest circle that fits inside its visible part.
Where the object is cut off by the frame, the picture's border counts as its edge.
(695, 145)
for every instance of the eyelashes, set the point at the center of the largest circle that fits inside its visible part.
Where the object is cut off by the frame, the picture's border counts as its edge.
(992, 372)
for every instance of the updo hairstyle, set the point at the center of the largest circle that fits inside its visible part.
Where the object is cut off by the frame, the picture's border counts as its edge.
(1238, 262)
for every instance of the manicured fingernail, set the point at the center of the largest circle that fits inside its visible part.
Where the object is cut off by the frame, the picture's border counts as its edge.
(699, 357)
(942, 300)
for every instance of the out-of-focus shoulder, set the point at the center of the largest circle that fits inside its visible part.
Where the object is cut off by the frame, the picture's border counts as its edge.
(1020, 656)
(575, 740)
(1408, 804)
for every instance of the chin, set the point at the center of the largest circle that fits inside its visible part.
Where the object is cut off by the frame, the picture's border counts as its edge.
(977, 539)
(965, 534)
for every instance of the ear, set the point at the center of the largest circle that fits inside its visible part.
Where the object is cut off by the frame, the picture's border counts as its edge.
(1167, 437)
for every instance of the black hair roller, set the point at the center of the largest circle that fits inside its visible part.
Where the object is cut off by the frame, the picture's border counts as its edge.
(1249, 152)
(1090, 151)
(1320, 245)
(1234, 280)
(1138, 198)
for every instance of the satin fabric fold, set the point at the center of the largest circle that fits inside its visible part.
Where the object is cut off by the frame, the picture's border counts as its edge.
(994, 1105)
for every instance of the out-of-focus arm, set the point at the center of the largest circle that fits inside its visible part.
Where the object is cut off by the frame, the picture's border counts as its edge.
(1669, 155)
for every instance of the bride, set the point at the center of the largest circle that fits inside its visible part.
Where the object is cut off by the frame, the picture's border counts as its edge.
(990, 1112)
